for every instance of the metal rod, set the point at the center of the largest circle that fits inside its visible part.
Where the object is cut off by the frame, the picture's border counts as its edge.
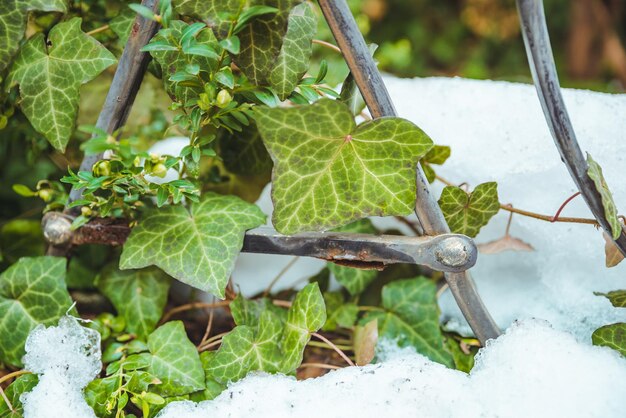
(449, 252)
(376, 96)
(543, 68)
(125, 85)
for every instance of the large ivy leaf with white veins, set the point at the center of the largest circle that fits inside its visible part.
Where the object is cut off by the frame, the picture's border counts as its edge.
(354, 279)
(466, 212)
(137, 295)
(196, 246)
(32, 292)
(293, 59)
(247, 348)
(612, 336)
(412, 318)
(306, 315)
(13, 16)
(610, 210)
(215, 12)
(329, 172)
(174, 360)
(50, 72)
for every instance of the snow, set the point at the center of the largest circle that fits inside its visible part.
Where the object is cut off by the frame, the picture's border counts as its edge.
(531, 371)
(66, 358)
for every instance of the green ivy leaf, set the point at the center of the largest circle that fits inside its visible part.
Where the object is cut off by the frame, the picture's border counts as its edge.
(197, 246)
(22, 384)
(293, 59)
(329, 172)
(98, 392)
(353, 279)
(248, 312)
(412, 318)
(246, 348)
(306, 315)
(50, 72)
(610, 210)
(174, 360)
(216, 12)
(612, 336)
(137, 295)
(243, 152)
(466, 212)
(617, 297)
(213, 387)
(13, 16)
(174, 59)
(122, 24)
(21, 238)
(32, 292)
(338, 312)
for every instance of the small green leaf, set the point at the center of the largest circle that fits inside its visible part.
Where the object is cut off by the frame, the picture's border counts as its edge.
(98, 392)
(210, 234)
(251, 13)
(412, 318)
(22, 384)
(232, 44)
(353, 279)
(306, 315)
(328, 172)
(13, 17)
(610, 210)
(617, 297)
(137, 295)
(339, 313)
(143, 11)
(293, 59)
(159, 46)
(50, 72)
(439, 154)
(612, 336)
(466, 212)
(174, 360)
(32, 292)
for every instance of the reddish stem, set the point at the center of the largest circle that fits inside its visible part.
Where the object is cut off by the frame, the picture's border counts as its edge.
(558, 212)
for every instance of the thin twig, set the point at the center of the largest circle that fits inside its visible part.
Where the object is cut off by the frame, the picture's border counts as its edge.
(6, 400)
(558, 212)
(319, 344)
(211, 340)
(279, 275)
(282, 303)
(207, 331)
(334, 347)
(210, 345)
(192, 306)
(12, 375)
(320, 366)
(97, 30)
(327, 45)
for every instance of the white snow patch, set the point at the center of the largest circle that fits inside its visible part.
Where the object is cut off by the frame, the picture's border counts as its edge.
(66, 358)
(531, 371)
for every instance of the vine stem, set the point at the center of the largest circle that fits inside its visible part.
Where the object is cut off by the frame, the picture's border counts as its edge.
(279, 275)
(97, 30)
(327, 45)
(334, 347)
(192, 306)
(207, 331)
(509, 208)
(12, 375)
(320, 366)
(6, 400)
(210, 342)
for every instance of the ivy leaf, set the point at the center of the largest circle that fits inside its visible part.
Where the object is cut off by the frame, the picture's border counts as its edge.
(212, 387)
(365, 340)
(306, 315)
(506, 243)
(612, 254)
(617, 297)
(338, 312)
(243, 152)
(612, 336)
(412, 318)
(353, 279)
(32, 292)
(438, 155)
(122, 24)
(22, 384)
(293, 59)
(13, 17)
(174, 360)
(466, 212)
(50, 73)
(248, 312)
(329, 172)
(137, 295)
(245, 349)
(197, 246)
(610, 210)
(215, 12)
(98, 392)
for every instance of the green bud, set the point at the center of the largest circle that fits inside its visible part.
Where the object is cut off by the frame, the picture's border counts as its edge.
(223, 98)
(102, 168)
(159, 170)
(46, 195)
(86, 211)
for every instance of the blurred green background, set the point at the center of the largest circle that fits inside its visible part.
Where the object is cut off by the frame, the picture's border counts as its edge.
(481, 39)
